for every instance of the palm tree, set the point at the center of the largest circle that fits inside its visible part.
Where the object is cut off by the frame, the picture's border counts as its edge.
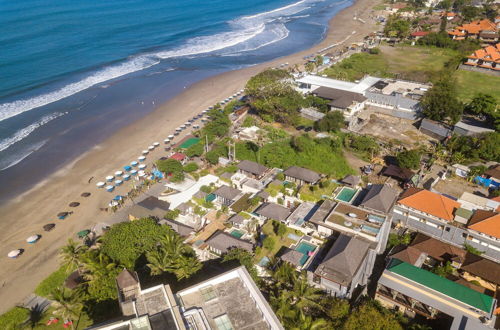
(306, 296)
(186, 266)
(66, 304)
(283, 309)
(71, 253)
(36, 315)
(285, 275)
(306, 322)
(159, 261)
(96, 265)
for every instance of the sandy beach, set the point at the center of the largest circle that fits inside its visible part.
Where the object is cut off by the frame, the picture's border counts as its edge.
(26, 215)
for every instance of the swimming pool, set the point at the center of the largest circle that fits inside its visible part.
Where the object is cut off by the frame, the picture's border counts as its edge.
(304, 248)
(237, 233)
(346, 194)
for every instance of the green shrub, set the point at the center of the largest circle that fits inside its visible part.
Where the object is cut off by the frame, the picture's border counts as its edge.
(13, 318)
(54, 280)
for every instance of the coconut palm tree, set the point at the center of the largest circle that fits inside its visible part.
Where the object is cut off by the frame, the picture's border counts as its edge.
(160, 261)
(71, 253)
(283, 309)
(285, 275)
(36, 315)
(66, 304)
(306, 296)
(185, 266)
(306, 322)
(96, 265)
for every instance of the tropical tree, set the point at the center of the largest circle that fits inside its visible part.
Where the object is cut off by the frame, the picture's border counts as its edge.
(66, 304)
(70, 254)
(186, 266)
(441, 102)
(285, 275)
(409, 159)
(245, 258)
(36, 315)
(307, 322)
(305, 296)
(99, 272)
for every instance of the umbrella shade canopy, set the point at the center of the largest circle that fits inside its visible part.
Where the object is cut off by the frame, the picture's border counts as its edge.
(83, 233)
(119, 173)
(126, 177)
(145, 152)
(142, 158)
(85, 194)
(133, 172)
(151, 147)
(134, 163)
(127, 168)
(32, 239)
(74, 204)
(100, 184)
(118, 198)
(110, 178)
(142, 166)
(14, 253)
(156, 144)
(110, 188)
(49, 226)
(62, 215)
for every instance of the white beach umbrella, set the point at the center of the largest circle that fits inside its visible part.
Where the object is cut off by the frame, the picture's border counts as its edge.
(118, 182)
(133, 172)
(170, 136)
(14, 253)
(145, 152)
(151, 148)
(134, 163)
(156, 144)
(110, 188)
(142, 158)
(100, 184)
(110, 178)
(187, 123)
(142, 166)
(166, 141)
(32, 239)
(118, 173)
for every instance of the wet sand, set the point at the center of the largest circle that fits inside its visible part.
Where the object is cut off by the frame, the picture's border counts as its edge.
(25, 215)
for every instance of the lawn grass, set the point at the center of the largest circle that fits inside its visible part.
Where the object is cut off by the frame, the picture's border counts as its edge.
(381, 6)
(314, 196)
(268, 230)
(54, 280)
(416, 63)
(13, 318)
(470, 83)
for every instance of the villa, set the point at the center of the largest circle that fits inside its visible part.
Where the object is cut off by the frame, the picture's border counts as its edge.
(487, 58)
(473, 30)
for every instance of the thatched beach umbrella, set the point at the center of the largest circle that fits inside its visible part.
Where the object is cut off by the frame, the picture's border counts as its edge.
(49, 226)
(74, 204)
(85, 194)
(62, 215)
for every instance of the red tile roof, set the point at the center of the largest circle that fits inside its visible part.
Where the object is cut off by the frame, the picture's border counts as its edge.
(430, 203)
(486, 222)
(419, 33)
(178, 156)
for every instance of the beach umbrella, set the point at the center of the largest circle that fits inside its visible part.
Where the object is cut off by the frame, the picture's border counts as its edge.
(118, 173)
(134, 163)
(101, 184)
(141, 174)
(110, 188)
(127, 168)
(145, 152)
(126, 177)
(133, 172)
(49, 226)
(151, 147)
(86, 194)
(156, 144)
(83, 233)
(14, 253)
(118, 182)
(74, 204)
(170, 136)
(32, 239)
(142, 158)
(62, 215)
(166, 141)
(118, 198)
(109, 178)
(142, 166)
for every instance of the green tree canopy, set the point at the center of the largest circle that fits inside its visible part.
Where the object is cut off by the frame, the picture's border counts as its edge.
(195, 150)
(397, 27)
(482, 104)
(332, 122)
(371, 316)
(409, 159)
(441, 102)
(190, 167)
(125, 242)
(245, 258)
(169, 165)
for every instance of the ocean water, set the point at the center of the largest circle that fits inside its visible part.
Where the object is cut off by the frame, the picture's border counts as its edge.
(73, 72)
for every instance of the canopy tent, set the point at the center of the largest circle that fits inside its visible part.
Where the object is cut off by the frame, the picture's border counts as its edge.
(49, 226)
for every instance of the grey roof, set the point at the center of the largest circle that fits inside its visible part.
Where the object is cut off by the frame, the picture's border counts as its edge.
(252, 167)
(227, 192)
(303, 212)
(290, 255)
(200, 194)
(398, 101)
(434, 127)
(180, 228)
(227, 175)
(183, 207)
(127, 278)
(152, 203)
(302, 174)
(252, 183)
(340, 98)
(311, 114)
(237, 219)
(273, 211)
(352, 180)
(468, 126)
(343, 260)
(322, 212)
(223, 241)
(380, 197)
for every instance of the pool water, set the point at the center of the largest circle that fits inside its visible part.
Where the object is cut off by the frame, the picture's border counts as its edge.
(304, 248)
(346, 194)
(237, 233)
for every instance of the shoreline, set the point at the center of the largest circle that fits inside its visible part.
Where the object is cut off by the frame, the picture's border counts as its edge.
(27, 213)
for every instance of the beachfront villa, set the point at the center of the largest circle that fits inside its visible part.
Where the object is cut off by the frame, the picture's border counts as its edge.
(230, 300)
